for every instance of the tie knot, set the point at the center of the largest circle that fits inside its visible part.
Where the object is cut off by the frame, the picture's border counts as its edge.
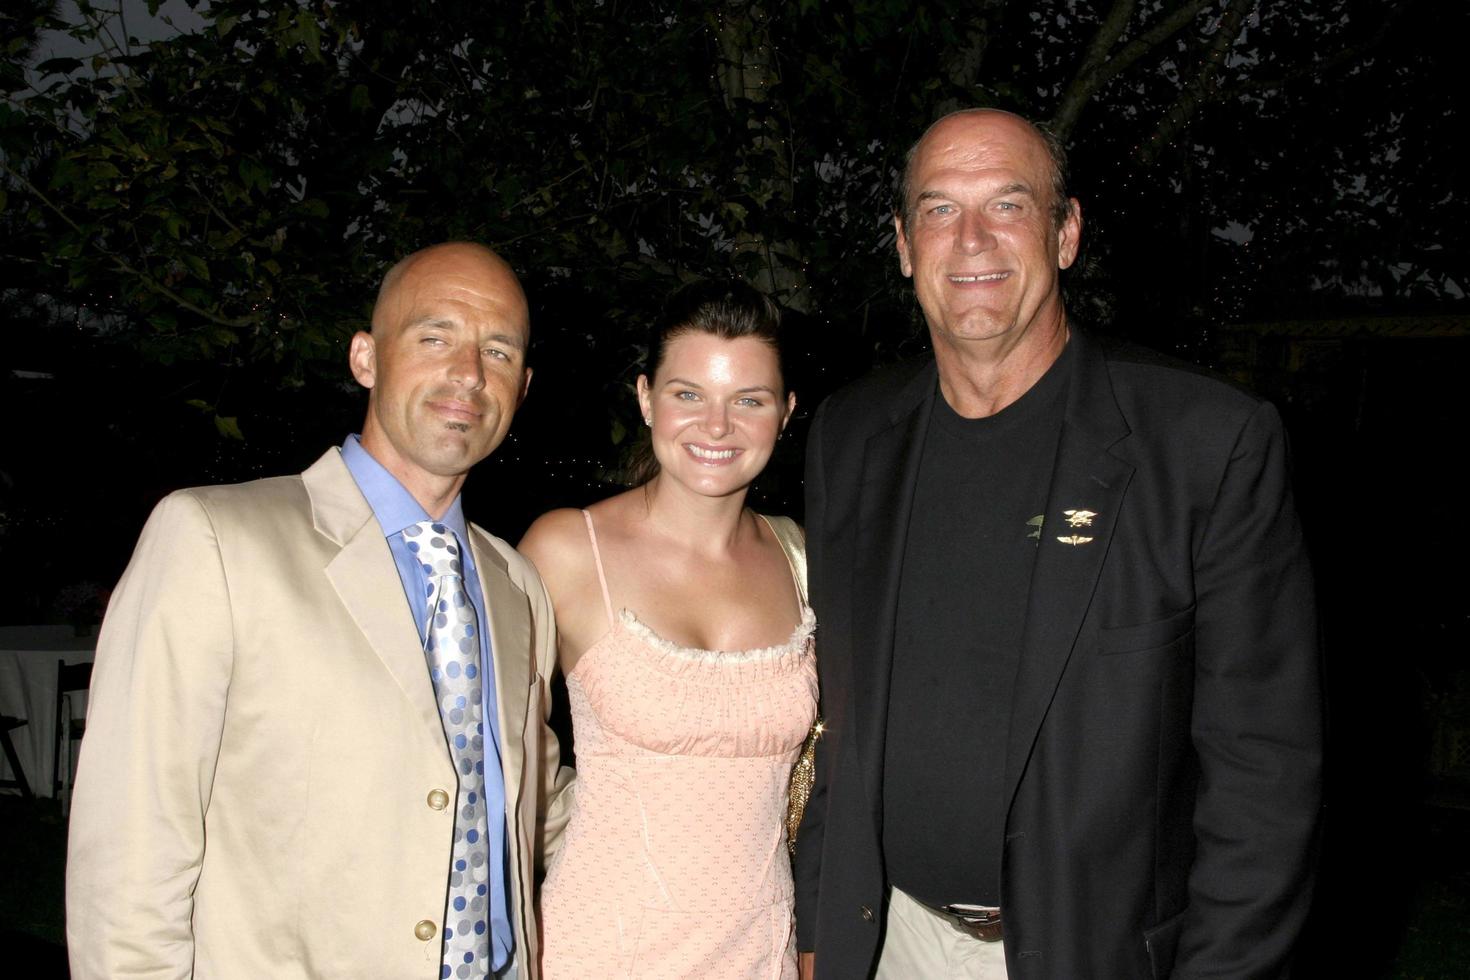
(435, 546)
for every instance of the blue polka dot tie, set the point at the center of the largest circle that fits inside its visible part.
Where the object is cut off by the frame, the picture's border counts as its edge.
(452, 647)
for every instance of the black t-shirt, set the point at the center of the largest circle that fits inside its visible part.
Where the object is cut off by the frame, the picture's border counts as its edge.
(972, 540)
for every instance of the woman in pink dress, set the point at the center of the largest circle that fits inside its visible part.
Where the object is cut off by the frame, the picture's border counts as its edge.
(686, 642)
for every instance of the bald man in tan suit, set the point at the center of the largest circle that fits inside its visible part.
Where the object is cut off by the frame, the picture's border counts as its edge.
(267, 789)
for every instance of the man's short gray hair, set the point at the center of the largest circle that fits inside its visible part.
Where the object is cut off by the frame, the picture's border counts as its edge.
(1061, 203)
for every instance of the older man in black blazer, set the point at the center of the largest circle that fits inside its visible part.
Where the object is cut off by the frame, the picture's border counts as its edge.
(1068, 646)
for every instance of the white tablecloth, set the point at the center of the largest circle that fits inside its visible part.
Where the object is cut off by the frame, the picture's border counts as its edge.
(28, 656)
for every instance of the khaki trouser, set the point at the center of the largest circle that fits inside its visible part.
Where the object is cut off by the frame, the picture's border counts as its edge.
(920, 944)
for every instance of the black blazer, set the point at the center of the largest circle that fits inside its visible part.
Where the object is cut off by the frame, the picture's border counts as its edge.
(1163, 766)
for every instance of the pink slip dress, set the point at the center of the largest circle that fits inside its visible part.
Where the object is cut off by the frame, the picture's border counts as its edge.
(674, 863)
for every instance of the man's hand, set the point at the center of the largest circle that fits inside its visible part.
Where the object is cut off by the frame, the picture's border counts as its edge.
(806, 965)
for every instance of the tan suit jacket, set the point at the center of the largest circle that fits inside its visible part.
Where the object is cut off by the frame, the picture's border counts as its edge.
(262, 789)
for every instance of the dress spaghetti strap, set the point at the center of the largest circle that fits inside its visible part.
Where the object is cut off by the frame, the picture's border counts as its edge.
(792, 540)
(612, 621)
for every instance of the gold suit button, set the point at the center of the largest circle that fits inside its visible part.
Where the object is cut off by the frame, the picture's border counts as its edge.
(866, 913)
(425, 930)
(438, 799)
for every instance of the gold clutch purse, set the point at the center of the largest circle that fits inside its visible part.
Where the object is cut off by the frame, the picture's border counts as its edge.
(793, 542)
(802, 775)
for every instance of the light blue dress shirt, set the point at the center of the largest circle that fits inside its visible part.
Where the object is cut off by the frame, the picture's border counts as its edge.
(395, 509)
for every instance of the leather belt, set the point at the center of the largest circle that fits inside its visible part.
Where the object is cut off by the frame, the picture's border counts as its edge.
(981, 921)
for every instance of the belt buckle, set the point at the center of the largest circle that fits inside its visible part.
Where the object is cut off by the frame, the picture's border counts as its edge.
(980, 921)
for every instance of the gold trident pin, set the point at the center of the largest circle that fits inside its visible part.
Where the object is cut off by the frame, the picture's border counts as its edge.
(1080, 518)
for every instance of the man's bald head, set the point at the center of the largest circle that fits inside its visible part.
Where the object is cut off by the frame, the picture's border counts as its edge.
(445, 366)
(1061, 207)
(466, 256)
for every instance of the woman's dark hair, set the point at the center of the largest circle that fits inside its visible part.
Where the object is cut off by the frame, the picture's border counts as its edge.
(724, 308)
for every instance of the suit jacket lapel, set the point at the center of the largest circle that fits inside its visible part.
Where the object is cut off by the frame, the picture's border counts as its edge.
(889, 475)
(367, 582)
(510, 646)
(1086, 477)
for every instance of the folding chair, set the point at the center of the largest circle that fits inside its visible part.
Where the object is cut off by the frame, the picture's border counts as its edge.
(70, 679)
(9, 723)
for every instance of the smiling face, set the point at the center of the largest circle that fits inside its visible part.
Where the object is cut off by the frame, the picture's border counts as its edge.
(715, 408)
(981, 244)
(445, 364)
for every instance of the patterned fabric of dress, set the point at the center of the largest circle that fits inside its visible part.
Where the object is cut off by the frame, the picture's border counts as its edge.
(674, 863)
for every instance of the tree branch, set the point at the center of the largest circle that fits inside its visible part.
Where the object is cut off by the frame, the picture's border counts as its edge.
(1344, 55)
(122, 265)
(580, 168)
(1149, 40)
(962, 65)
(209, 203)
(1085, 82)
(1202, 86)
